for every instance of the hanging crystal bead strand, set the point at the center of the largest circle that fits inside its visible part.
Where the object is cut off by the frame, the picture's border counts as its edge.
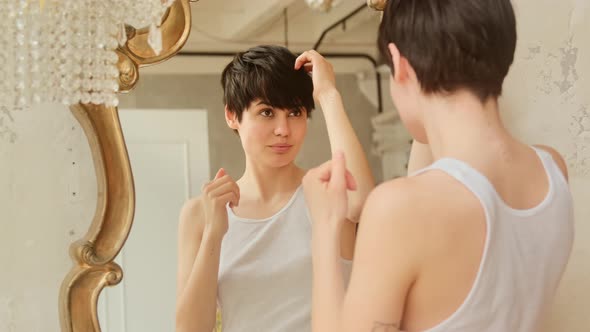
(7, 54)
(21, 49)
(35, 66)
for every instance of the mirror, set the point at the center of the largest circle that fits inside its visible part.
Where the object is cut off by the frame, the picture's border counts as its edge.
(177, 136)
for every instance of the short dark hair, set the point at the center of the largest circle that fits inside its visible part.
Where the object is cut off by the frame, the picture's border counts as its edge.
(452, 44)
(267, 73)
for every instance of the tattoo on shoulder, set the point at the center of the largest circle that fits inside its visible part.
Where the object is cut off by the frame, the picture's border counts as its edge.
(385, 327)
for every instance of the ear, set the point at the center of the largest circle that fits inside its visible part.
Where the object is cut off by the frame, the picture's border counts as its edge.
(402, 69)
(232, 119)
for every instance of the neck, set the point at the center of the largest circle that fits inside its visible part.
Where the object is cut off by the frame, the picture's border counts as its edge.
(460, 126)
(266, 182)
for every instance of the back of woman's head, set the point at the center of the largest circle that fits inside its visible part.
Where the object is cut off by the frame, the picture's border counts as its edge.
(452, 44)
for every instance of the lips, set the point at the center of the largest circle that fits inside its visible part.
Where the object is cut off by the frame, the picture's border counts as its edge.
(281, 148)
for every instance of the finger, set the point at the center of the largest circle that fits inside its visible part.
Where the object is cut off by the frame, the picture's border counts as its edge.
(308, 67)
(224, 178)
(236, 190)
(227, 198)
(220, 179)
(350, 181)
(205, 184)
(224, 188)
(315, 56)
(322, 172)
(220, 173)
(302, 59)
(234, 202)
(338, 175)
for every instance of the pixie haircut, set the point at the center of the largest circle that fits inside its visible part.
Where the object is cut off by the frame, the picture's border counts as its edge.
(452, 44)
(266, 73)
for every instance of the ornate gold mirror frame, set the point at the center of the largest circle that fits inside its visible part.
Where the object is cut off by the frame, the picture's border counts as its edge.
(93, 255)
(377, 4)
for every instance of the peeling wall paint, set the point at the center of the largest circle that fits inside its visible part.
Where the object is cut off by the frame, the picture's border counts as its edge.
(546, 100)
(557, 77)
(7, 323)
(7, 132)
(39, 217)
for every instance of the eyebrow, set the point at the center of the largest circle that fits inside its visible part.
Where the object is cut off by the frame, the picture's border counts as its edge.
(262, 102)
(268, 104)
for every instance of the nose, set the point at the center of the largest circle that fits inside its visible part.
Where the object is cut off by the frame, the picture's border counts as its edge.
(282, 125)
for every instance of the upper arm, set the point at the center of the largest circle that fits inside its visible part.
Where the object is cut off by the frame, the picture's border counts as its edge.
(386, 261)
(190, 231)
(558, 159)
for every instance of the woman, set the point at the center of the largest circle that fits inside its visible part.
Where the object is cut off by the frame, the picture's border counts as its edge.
(479, 239)
(246, 244)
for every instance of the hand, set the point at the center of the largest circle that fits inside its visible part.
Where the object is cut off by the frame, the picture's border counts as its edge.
(322, 72)
(325, 189)
(215, 195)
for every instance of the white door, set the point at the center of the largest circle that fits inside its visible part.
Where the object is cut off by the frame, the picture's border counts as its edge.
(170, 161)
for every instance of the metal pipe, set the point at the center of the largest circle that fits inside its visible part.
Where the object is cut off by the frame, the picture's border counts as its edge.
(340, 21)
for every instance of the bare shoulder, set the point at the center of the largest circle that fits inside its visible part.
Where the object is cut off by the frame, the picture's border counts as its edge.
(395, 219)
(389, 194)
(428, 204)
(557, 157)
(395, 204)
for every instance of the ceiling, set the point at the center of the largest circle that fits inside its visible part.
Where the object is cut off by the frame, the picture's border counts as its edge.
(235, 25)
(238, 24)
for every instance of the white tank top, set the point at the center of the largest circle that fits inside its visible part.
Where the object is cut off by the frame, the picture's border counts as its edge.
(265, 271)
(524, 256)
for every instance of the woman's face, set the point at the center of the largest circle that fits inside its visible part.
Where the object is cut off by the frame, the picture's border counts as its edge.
(271, 136)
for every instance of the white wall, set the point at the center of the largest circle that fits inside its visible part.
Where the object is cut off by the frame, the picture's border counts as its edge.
(47, 200)
(546, 101)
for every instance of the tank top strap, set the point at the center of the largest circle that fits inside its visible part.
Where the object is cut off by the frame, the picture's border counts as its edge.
(469, 177)
(554, 172)
(481, 186)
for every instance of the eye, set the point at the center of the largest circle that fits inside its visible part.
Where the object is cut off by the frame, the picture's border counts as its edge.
(267, 113)
(296, 113)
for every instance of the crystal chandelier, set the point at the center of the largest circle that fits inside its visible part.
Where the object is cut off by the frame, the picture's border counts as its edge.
(64, 50)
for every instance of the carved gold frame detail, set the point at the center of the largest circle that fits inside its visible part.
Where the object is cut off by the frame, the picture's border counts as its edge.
(377, 4)
(93, 255)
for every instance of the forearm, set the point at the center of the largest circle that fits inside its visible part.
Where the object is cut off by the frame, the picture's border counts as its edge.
(343, 138)
(328, 284)
(197, 304)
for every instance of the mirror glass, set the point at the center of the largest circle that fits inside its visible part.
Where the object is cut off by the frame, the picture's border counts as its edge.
(178, 138)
